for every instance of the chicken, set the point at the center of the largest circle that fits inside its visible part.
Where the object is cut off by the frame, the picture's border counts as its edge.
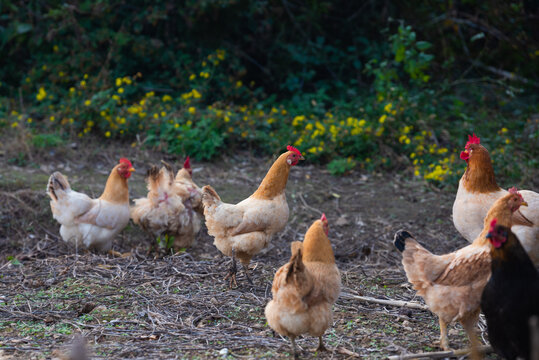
(452, 284)
(477, 192)
(92, 223)
(187, 189)
(511, 296)
(305, 288)
(243, 229)
(167, 210)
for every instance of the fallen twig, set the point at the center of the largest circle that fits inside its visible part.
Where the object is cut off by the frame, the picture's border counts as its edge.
(399, 303)
(485, 349)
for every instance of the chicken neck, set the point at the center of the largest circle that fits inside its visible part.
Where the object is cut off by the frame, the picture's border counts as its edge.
(275, 180)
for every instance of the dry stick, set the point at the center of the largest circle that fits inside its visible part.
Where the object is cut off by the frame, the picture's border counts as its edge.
(308, 206)
(407, 304)
(484, 349)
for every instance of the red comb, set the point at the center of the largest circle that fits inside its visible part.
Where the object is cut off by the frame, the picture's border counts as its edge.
(323, 218)
(493, 225)
(473, 139)
(125, 161)
(514, 190)
(187, 163)
(291, 148)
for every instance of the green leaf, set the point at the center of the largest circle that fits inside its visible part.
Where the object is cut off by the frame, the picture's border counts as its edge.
(23, 28)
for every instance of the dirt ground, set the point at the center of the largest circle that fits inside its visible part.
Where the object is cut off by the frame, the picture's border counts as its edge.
(145, 306)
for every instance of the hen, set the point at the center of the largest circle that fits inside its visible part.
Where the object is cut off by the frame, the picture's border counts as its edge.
(92, 223)
(477, 192)
(187, 189)
(305, 288)
(167, 210)
(452, 284)
(511, 296)
(243, 229)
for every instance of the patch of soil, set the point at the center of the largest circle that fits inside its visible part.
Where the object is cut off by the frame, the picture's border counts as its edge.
(179, 306)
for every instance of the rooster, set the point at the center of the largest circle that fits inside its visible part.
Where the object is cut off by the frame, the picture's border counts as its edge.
(477, 192)
(167, 210)
(452, 284)
(243, 229)
(92, 223)
(511, 296)
(305, 288)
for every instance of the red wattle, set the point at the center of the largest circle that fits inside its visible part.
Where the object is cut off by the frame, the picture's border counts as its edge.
(464, 155)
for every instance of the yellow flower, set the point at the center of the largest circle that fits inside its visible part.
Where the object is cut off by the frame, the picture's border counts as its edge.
(362, 122)
(196, 94)
(83, 83)
(283, 112)
(507, 141)
(270, 121)
(51, 118)
(176, 125)
(380, 131)
(504, 130)
(118, 82)
(163, 113)
(71, 90)
(382, 119)
(107, 134)
(71, 120)
(239, 83)
(156, 116)
(298, 120)
(44, 67)
(61, 73)
(14, 124)
(244, 134)
(86, 76)
(166, 98)
(55, 48)
(41, 94)
(416, 172)
(192, 77)
(309, 127)
(88, 102)
(192, 110)
(127, 80)
(388, 107)
(29, 120)
(227, 119)
(312, 150)
(120, 90)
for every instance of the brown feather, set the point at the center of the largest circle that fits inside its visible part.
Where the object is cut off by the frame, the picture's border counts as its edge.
(316, 245)
(116, 189)
(274, 183)
(479, 176)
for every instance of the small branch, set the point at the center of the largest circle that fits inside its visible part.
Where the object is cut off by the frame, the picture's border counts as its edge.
(485, 349)
(399, 303)
(505, 74)
(308, 206)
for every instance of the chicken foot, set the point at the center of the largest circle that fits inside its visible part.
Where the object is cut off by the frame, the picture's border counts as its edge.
(232, 271)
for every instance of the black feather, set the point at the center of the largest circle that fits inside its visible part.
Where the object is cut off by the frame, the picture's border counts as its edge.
(400, 239)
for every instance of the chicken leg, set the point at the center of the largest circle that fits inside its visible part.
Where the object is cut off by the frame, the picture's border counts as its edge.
(321, 346)
(469, 327)
(444, 341)
(294, 348)
(246, 270)
(232, 271)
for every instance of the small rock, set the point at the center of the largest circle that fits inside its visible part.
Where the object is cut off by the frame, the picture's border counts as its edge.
(223, 352)
(214, 301)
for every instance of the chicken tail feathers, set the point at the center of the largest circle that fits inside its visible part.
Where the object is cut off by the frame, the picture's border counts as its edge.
(296, 264)
(209, 196)
(400, 239)
(57, 183)
(168, 171)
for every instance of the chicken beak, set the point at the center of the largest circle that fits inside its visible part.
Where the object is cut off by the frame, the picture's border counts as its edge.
(524, 203)
(301, 157)
(131, 169)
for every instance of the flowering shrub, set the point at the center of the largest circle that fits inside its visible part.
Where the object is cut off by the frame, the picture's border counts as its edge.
(397, 127)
